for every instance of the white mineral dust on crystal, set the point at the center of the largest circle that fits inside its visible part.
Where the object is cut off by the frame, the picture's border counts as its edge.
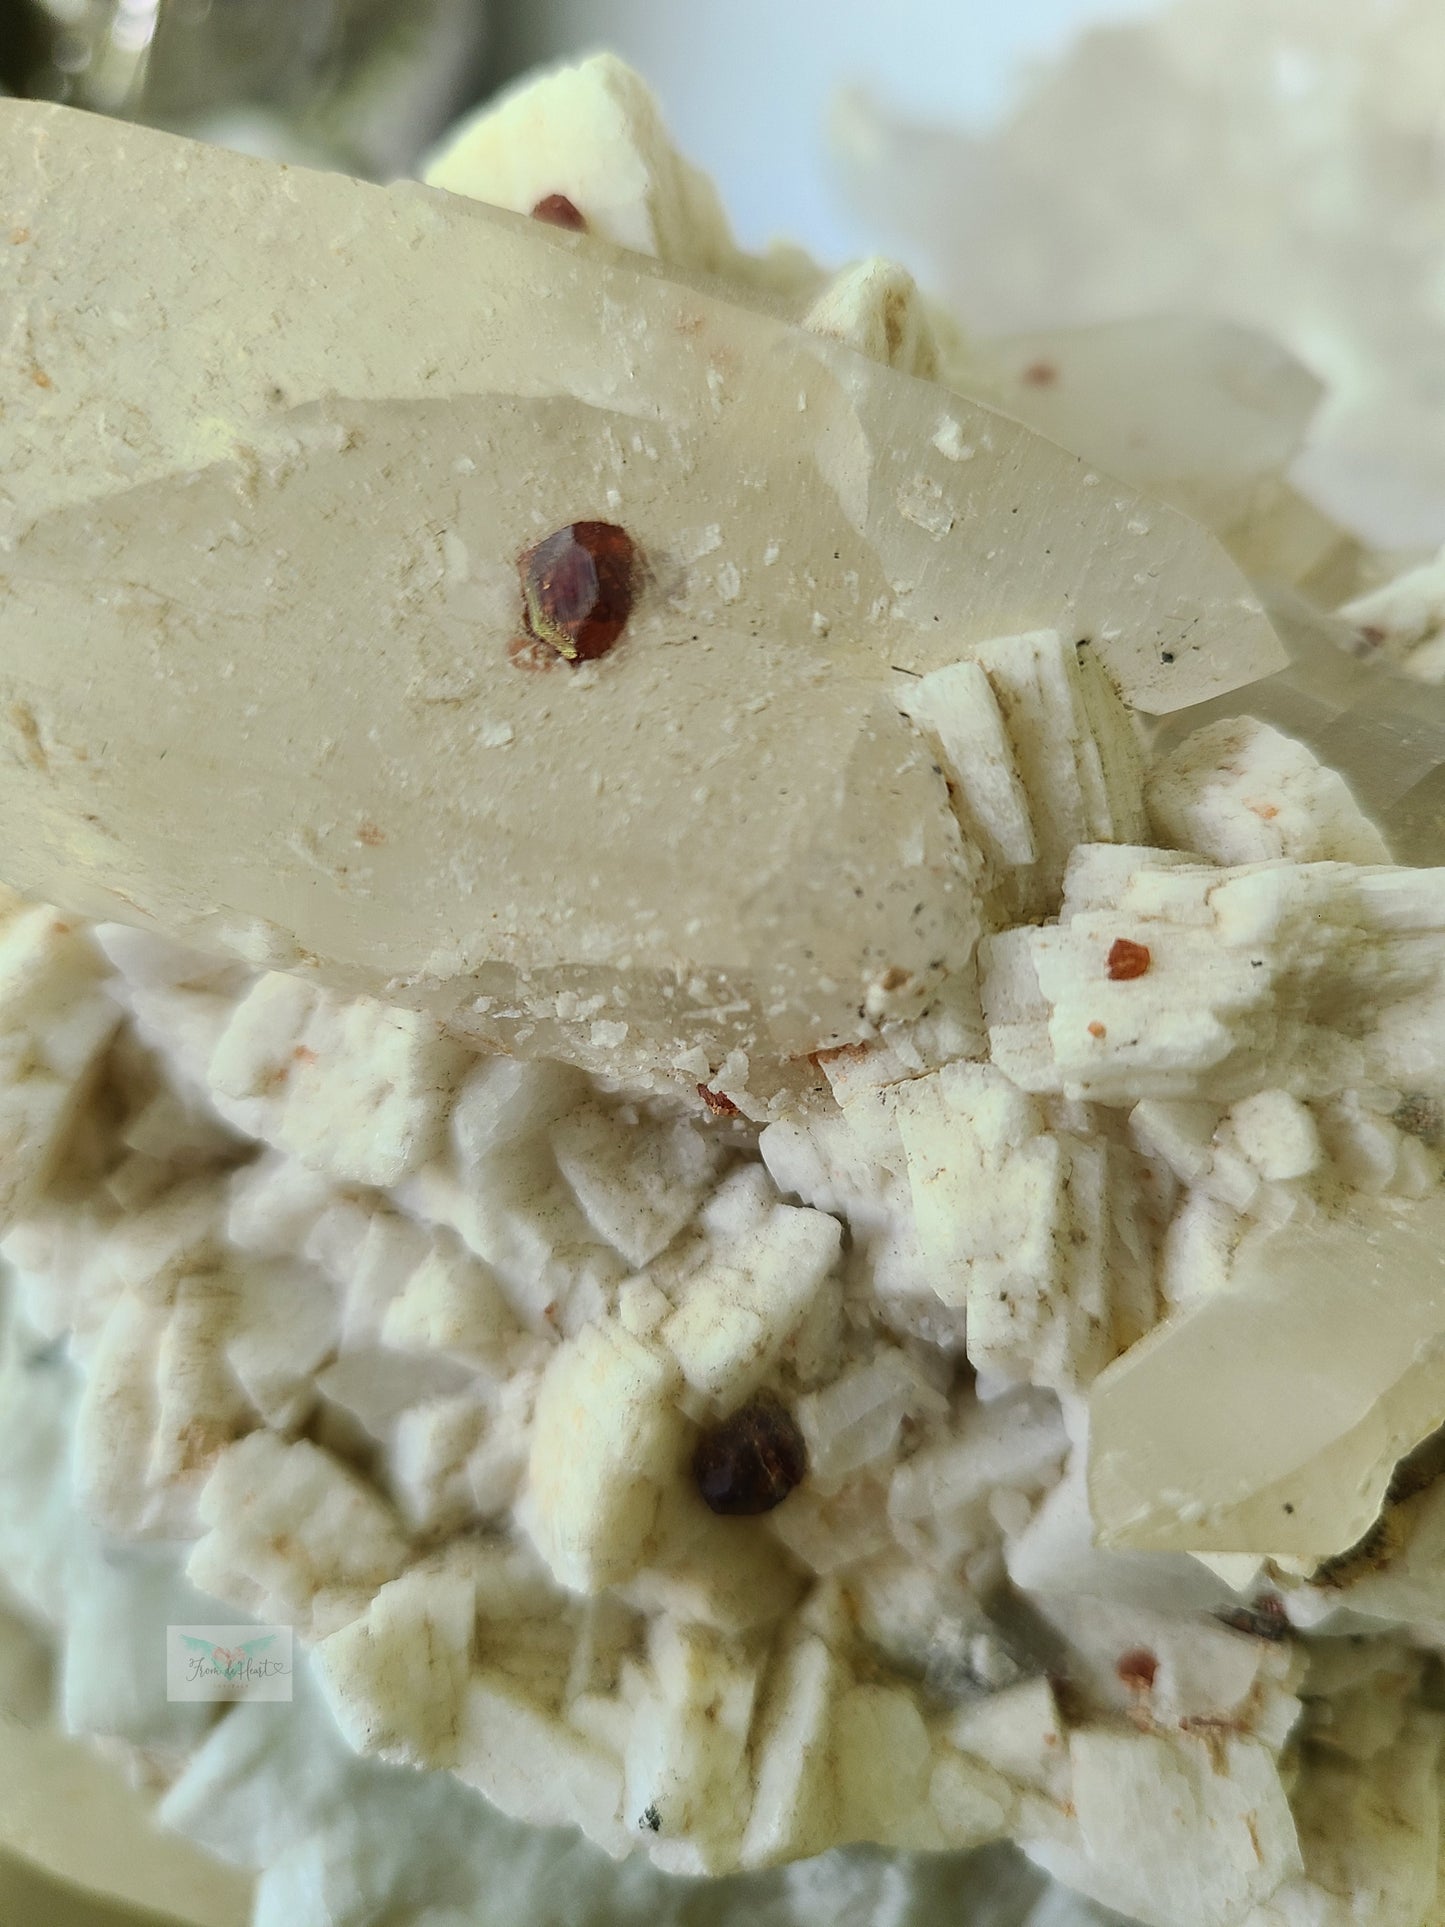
(1107, 1304)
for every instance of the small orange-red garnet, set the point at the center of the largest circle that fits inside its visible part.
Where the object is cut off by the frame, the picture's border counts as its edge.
(578, 587)
(557, 211)
(1127, 959)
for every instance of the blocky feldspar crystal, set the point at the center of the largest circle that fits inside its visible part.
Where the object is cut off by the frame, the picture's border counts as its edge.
(262, 577)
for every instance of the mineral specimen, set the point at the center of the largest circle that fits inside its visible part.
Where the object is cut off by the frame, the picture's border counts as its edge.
(1068, 1339)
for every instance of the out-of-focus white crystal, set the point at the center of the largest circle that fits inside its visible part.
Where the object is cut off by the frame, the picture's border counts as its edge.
(1141, 175)
(1404, 622)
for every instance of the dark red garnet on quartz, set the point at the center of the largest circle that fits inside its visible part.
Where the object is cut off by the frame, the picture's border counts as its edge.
(577, 587)
(557, 211)
(751, 1461)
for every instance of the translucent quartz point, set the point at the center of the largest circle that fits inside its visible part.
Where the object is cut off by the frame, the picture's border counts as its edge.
(266, 482)
(1270, 1418)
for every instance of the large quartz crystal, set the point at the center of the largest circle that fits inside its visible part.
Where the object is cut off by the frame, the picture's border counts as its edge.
(1270, 1418)
(261, 579)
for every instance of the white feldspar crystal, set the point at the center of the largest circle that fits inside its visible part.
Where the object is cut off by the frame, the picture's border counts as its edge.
(608, 1439)
(637, 1186)
(1404, 622)
(451, 1304)
(1031, 717)
(383, 883)
(1240, 792)
(876, 308)
(349, 1086)
(395, 1678)
(1019, 1224)
(1312, 977)
(796, 1796)
(686, 1761)
(884, 1759)
(736, 1312)
(1177, 1831)
(593, 134)
(54, 1023)
(291, 1533)
(1277, 1134)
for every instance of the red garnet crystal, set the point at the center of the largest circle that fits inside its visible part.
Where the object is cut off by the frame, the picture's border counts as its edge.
(557, 211)
(1127, 959)
(577, 587)
(751, 1461)
(1138, 1668)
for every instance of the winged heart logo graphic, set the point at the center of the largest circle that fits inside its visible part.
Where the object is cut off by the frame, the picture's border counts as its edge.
(228, 1662)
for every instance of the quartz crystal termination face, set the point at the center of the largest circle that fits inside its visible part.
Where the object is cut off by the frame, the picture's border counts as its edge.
(266, 552)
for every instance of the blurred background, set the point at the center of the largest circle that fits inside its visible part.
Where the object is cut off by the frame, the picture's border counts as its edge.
(748, 85)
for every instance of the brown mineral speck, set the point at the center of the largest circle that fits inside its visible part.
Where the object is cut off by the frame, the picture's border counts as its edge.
(371, 836)
(1127, 959)
(1096, 1029)
(557, 211)
(1421, 1116)
(894, 978)
(848, 1052)
(751, 1461)
(1265, 1619)
(718, 1102)
(577, 588)
(1041, 374)
(1137, 1668)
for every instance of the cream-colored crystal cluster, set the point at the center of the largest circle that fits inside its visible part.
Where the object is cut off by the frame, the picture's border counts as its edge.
(1102, 1274)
